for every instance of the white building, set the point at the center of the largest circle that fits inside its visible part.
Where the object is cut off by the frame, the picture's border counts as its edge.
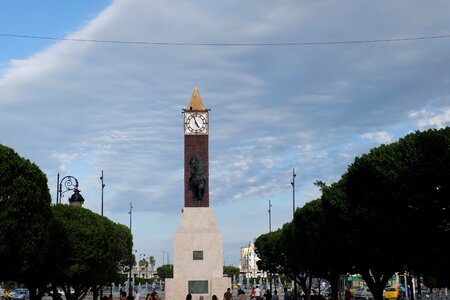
(248, 261)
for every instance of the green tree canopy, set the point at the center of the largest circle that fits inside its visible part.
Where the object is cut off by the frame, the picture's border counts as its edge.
(165, 271)
(397, 194)
(24, 219)
(89, 249)
(231, 271)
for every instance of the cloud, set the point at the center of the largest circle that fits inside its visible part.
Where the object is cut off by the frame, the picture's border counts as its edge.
(381, 137)
(439, 118)
(79, 108)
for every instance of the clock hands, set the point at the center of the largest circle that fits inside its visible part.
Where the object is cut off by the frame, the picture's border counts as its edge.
(195, 120)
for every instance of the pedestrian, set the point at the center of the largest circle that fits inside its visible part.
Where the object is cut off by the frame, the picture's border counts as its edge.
(214, 297)
(110, 297)
(241, 295)
(257, 293)
(154, 295)
(347, 295)
(137, 296)
(228, 295)
(148, 297)
(268, 295)
(252, 293)
(275, 296)
(188, 297)
(123, 295)
(286, 294)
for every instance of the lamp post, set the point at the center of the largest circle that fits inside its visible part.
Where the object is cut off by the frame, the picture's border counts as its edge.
(103, 187)
(293, 192)
(270, 217)
(69, 183)
(293, 215)
(130, 288)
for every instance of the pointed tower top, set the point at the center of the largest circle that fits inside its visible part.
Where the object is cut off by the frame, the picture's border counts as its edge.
(196, 102)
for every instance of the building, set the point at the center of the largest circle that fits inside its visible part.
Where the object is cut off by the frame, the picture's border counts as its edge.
(248, 261)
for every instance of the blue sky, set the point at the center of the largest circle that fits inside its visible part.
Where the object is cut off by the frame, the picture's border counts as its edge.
(78, 108)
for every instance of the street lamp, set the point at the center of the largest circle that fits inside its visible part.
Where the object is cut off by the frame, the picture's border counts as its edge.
(103, 187)
(270, 217)
(293, 215)
(69, 183)
(293, 192)
(130, 288)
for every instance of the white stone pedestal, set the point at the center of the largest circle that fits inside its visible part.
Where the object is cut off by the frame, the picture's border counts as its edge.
(197, 258)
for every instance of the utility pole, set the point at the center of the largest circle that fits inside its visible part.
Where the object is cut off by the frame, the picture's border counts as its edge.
(270, 217)
(130, 288)
(103, 187)
(293, 215)
(293, 192)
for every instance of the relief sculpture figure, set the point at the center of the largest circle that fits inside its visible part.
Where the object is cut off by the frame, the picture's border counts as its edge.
(197, 180)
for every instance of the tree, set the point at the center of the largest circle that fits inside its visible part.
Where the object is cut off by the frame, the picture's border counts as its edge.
(152, 262)
(24, 220)
(428, 200)
(231, 271)
(396, 193)
(334, 235)
(282, 252)
(165, 271)
(89, 250)
(305, 237)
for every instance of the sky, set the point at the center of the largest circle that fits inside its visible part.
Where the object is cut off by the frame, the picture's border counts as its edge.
(282, 95)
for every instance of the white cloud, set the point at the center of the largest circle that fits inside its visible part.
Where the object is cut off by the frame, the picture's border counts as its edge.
(437, 118)
(381, 137)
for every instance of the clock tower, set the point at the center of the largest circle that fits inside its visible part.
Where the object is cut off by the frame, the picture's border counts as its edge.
(196, 170)
(197, 243)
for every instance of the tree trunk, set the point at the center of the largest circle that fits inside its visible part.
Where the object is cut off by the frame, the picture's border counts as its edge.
(333, 278)
(306, 288)
(376, 282)
(95, 293)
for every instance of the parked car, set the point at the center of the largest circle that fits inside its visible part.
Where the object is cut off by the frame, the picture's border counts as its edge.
(362, 293)
(392, 293)
(19, 294)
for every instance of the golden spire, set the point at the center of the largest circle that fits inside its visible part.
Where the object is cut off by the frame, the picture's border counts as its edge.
(196, 102)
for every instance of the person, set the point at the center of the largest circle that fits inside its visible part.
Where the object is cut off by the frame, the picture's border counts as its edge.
(241, 295)
(110, 297)
(123, 295)
(258, 293)
(275, 295)
(347, 295)
(188, 297)
(105, 297)
(137, 296)
(5, 294)
(252, 293)
(286, 294)
(228, 295)
(268, 295)
(214, 297)
(154, 295)
(148, 297)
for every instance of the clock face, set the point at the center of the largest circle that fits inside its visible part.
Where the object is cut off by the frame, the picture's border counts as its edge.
(196, 123)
